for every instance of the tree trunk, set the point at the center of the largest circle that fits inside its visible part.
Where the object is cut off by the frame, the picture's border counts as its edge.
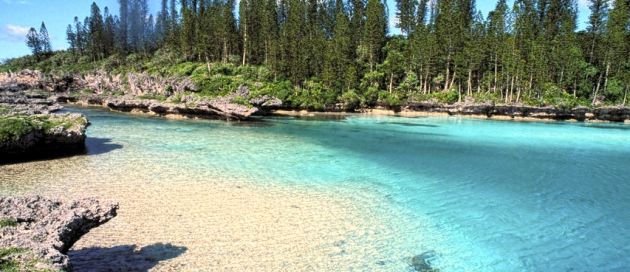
(391, 82)
(606, 77)
(478, 82)
(625, 96)
(245, 45)
(453, 79)
(469, 85)
(511, 90)
(596, 92)
(266, 52)
(496, 71)
(448, 71)
(225, 51)
(208, 63)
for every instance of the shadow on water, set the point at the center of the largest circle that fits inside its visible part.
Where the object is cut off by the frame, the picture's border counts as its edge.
(93, 146)
(123, 258)
(621, 127)
(98, 146)
(408, 124)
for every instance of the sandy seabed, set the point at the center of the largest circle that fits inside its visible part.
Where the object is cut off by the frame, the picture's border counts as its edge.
(171, 221)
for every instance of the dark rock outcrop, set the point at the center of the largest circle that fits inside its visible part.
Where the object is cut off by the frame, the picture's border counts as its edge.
(33, 136)
(614, 114)
(27, 102)
(46, 229)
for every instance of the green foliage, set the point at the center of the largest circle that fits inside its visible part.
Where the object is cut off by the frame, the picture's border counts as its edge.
(283, 48)
(10, 265)
(19, 265)
(7, 222)
(409, 84)
(351, 100)
(13, 128)
(448, 97)
(485, 97)
(313, 96)
(391, 100)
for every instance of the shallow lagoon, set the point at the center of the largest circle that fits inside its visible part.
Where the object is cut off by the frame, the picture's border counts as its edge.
(361, 193)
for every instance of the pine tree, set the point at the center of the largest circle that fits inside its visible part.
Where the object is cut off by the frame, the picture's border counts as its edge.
(163, 22)
(339, 54)
(96, 33)
(407, 15)
(270, 33)
(618, 50)
(71, 37)
(599, 12)
(375, 32)
(123, 28)
(497, 39)
(109, 33)
(34, 43)
(227, 30)
(294, 42)
(447, 34)
(316, 39)
(44, 40)
(243, 21)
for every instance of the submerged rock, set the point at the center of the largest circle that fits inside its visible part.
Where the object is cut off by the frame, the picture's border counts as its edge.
(44, 229)
(422, 262)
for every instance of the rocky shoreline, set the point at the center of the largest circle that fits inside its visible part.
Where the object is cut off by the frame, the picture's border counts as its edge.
(100, 89)
(30, 128)
(37, 232)
(239, 105)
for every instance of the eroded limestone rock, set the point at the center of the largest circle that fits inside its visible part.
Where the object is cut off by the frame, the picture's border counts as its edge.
(45, 229)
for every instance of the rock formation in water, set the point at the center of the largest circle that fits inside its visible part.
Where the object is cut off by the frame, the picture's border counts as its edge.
(23, 136)
(37, 232)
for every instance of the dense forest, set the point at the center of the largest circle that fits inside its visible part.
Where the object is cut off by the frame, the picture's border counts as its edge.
(318, 53)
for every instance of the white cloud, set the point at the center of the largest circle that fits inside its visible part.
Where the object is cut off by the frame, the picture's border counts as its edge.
(14, 33)
(16, 30)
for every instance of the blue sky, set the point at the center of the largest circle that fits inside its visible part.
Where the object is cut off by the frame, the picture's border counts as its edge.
(17, 16)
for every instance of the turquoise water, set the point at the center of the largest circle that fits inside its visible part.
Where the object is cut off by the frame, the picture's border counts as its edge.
(483, 195)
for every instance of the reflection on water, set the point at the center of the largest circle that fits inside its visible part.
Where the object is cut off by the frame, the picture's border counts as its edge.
(359, 193)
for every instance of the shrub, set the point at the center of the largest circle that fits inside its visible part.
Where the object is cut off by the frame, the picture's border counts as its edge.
(448, 97)
(350, 99)
(392, 100)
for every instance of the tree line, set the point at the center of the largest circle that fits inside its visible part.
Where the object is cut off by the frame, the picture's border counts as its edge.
(528, 50)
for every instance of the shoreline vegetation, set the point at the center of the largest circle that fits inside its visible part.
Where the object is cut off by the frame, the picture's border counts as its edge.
(339, 56)
(179, 97)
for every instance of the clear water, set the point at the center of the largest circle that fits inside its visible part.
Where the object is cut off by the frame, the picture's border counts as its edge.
(483, 195)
